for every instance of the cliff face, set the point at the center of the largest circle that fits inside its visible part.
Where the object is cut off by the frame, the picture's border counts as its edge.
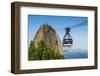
(49, 35)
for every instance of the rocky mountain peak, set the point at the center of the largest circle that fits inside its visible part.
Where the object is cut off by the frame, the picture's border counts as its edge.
(49, 36)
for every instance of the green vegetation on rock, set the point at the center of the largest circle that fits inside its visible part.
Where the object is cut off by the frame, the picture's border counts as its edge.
(42, 52)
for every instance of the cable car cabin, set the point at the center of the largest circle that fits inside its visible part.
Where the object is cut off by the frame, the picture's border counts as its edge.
(67, 42)
(67, 39)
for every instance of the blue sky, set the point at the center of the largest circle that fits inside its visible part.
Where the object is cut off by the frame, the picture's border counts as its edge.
(79, 33)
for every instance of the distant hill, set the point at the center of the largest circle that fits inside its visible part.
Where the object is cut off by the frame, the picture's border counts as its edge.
(47, 34)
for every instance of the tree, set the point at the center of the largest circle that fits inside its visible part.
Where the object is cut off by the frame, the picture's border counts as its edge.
(42, 52)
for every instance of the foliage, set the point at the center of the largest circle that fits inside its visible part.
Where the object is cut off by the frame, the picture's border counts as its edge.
(42, 52)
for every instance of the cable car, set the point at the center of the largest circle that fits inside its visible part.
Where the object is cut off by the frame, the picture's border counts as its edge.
(67, 40)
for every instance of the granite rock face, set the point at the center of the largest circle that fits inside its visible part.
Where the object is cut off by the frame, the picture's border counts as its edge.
(49, 36)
